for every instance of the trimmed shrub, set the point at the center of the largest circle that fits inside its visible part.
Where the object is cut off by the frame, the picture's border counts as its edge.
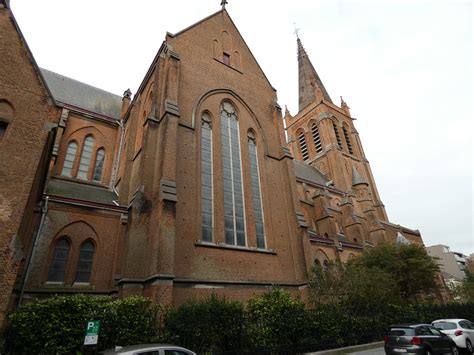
(57, 325)
(212, 324)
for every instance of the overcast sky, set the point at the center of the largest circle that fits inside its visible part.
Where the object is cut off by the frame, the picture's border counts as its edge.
(404, 68)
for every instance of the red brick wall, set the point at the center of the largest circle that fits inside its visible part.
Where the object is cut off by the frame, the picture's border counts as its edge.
(21, 146)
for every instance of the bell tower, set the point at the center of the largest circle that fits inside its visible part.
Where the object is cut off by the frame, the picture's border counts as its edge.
(323, 135)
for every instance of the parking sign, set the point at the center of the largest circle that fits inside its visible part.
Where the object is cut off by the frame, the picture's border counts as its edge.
(92, 332)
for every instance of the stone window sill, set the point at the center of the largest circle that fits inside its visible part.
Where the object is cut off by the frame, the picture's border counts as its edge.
(200, 243)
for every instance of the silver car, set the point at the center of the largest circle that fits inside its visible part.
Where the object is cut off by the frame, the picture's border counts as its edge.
(460, 330)
(149, 349)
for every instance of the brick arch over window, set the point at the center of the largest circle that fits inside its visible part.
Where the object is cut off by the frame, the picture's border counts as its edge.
(80, 161)
(322, 258)
(231, 149)
(76, 234)
(237, 102)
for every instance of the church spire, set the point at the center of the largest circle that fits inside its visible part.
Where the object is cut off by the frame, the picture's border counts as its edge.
(311, 87)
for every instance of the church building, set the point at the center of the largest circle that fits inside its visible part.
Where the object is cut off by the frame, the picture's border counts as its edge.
(197, 183)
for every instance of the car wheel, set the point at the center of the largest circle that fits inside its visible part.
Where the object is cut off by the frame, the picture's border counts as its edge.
(428, 352)
(454, 350)
(469, 346)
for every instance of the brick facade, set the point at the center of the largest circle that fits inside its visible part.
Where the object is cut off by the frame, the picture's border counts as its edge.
(143, 219)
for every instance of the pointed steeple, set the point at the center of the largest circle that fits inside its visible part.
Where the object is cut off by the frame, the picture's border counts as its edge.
(311, 87)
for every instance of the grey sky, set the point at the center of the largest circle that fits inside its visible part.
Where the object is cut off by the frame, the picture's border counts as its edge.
(404, 68)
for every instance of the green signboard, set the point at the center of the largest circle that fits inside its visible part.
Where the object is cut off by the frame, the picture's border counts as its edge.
(92, 332)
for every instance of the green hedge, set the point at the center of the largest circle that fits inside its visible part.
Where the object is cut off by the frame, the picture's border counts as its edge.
(271, 322)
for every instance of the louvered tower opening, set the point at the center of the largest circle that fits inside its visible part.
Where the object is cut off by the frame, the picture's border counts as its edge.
(338, 138)
(303, 146)
(316, 139)
(348, 140)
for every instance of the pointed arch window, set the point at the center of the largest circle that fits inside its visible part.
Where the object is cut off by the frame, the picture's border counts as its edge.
(99, 165)
(234, 218)
(69, 159)
(336, 132)
(348, 139)
(85, 158)
(256, 191)
(303, 146)
(206, 179)
(84, 264)
(57, 268)
(316, 138)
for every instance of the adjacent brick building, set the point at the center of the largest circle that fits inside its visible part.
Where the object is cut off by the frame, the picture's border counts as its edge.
(190, 187)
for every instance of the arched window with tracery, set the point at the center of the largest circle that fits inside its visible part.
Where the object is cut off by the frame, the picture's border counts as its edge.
(348, 139)
(206, 179)
(234, 217)
(86, 155)
(84, 264)
(58, 265)
(302, 145)
(316, 138)
(256, 191)
(99, 165)
(69, 159)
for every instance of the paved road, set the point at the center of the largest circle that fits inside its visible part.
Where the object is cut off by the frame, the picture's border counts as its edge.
(376, 351)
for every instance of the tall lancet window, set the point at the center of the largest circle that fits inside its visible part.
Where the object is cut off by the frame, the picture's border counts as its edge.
(99, 165)
(206, 178)
(348, 139)
(234, 220)
(69, 159)
(256, 192)
(303, 146)
(316, 138)
(336, 132)
(85, 158)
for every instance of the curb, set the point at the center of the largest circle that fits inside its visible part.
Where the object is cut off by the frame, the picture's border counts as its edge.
(349, 349)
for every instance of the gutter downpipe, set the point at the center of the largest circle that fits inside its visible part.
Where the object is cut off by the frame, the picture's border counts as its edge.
(44, 210)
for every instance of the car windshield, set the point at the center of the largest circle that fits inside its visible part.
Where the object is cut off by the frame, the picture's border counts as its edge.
(401, 331)
(445, 325)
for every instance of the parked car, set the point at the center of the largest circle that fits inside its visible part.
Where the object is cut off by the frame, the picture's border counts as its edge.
(418, 339)
(460, 330)
(149, 349)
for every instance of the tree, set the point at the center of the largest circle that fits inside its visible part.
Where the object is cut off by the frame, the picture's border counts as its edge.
(467, 287)
(410, 268)
(353, 286)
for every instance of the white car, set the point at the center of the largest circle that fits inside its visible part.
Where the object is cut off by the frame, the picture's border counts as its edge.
(149, 349)
(460, 330)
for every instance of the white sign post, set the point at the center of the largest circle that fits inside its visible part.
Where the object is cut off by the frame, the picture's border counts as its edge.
(92, 332)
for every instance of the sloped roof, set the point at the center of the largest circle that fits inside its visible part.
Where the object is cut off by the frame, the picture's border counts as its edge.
(88, 192)
(309, 173)
(79, 94)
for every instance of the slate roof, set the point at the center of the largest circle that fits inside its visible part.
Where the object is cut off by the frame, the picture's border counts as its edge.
(76, 93)
(309, 173)
(68, 188)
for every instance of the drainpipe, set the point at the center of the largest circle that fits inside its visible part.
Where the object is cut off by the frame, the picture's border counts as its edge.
(44, 210)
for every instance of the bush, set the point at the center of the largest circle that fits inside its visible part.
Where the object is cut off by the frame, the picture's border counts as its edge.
(57, 325)
(275, 320)
(212, 324)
